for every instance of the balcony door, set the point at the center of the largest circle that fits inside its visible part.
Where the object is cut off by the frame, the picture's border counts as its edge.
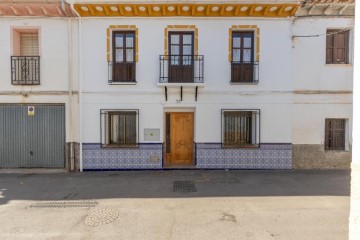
(181, 51)
(242, 57)
(123, 56)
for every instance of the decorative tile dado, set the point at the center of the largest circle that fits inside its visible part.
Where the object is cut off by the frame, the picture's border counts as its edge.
(207, 155)
(96, 157)
(267, 156)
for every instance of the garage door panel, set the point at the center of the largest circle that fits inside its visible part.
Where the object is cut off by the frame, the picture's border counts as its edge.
(32, 141)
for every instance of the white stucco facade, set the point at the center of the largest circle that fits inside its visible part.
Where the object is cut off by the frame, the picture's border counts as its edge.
(57, 80)
(321, 90)
(271, 95)
(296, 90)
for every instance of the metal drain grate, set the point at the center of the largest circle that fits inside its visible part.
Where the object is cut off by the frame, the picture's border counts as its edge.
(184, 186)
(65, 204)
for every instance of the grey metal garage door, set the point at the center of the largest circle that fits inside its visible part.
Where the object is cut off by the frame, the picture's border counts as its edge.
(32, 140)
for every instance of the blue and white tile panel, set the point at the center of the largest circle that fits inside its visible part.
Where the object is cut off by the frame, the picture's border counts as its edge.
(268, 156)
(208, 156)
(96, 157)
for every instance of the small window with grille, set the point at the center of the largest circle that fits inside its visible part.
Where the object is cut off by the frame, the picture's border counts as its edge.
(240, 128)
(335, 132)
(119, 128)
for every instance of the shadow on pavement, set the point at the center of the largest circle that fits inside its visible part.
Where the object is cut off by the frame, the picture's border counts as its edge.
(159, 184)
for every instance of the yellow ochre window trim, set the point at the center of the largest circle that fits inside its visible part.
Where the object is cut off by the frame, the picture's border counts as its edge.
(256, 30)
(181, 28)
(109, 31)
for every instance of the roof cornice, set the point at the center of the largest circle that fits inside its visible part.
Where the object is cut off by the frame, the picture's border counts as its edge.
(37, 9)
(187, 9)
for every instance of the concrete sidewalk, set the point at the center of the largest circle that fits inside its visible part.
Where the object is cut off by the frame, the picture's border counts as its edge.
(143, 205)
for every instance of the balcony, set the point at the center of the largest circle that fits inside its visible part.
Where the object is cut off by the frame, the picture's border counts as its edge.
(181, 70)
(244, 72)
(25, 70)
(122, 73)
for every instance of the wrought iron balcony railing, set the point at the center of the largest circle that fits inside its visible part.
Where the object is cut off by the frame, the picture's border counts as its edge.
(122, 72)
(25, 70)
(181, 69)
(244, 72)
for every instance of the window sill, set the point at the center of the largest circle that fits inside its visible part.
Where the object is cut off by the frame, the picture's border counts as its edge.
(335, 150)
(26, 84)
(244, 83)
(338, 64)
(120, 146)
(201, 85)
(240, 146)
(123, 83)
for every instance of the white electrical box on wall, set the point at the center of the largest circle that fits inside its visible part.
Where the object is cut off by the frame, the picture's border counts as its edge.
(151, 134)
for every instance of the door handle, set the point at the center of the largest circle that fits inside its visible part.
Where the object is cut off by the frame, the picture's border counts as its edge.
(31, 153)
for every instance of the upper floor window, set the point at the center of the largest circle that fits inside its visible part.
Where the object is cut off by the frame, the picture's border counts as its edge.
(181, 51)
(25, 62)
(337, 46)
(243, 67)
(181, 65)
(122, 68)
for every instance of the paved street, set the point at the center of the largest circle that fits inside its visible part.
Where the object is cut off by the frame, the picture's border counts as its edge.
(205, 205)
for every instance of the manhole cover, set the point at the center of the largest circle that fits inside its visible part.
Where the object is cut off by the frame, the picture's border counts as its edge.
(184, 186)
(101, 217)
(65, 204)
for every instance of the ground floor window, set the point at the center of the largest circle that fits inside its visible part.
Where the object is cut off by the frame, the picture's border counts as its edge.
(240, 128)
(119, 128)
(335, 134)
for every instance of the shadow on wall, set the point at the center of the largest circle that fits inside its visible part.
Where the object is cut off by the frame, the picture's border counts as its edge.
(160, 184)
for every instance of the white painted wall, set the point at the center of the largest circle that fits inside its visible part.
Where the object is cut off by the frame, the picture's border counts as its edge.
(309, 121)
(213, 43)
(272, 95)
(275, 117)
(310, 70)
(285, 65)
(312, 74)
(55, 53)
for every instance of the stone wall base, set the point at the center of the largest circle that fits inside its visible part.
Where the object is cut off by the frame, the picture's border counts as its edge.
(313, 156)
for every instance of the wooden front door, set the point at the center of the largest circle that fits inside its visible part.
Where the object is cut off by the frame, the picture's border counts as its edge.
(179, 138)
(181, 65)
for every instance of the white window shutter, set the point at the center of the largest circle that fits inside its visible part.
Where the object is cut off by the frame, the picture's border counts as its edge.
(29, 44)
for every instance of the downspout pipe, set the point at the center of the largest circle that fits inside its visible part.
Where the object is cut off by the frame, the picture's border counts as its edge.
(63, 5)
(79, 84)
(70, 67)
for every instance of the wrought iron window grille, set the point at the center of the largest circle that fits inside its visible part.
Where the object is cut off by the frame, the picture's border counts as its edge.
(25, 70)
(181, 69)
(244, 72)
(122, 72)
